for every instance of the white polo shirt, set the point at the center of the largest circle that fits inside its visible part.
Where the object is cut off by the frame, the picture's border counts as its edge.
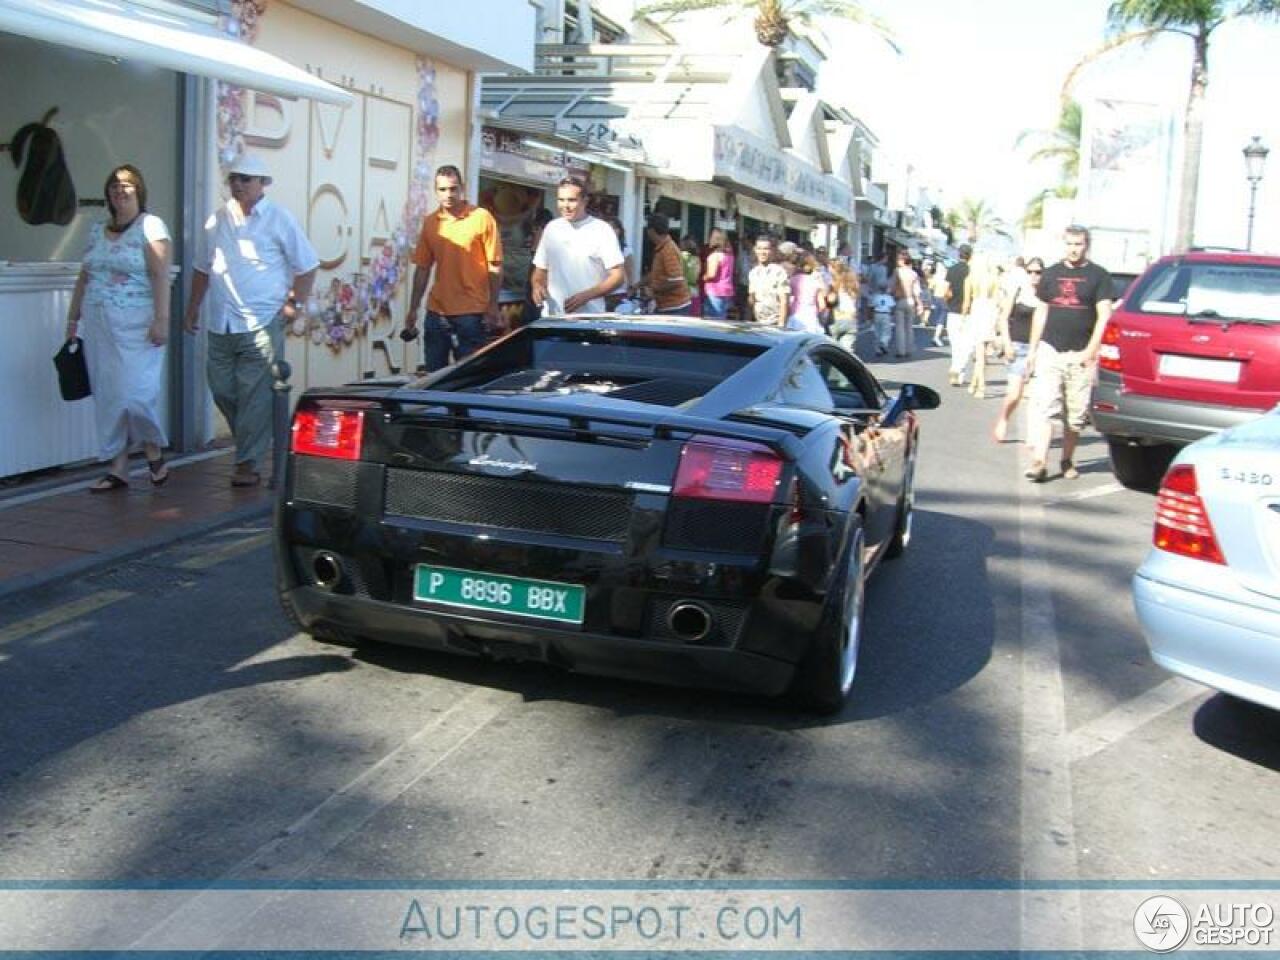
(251, 262)
(577, 254)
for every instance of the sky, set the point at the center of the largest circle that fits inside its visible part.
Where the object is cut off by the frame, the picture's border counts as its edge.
(974, 73)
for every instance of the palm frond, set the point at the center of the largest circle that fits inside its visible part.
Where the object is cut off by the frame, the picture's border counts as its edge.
(1133, 36)
(856, 13)
(673, 8)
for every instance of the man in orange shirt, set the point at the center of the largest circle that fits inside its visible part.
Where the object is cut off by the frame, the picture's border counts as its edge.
(461, 241)
(666, 275)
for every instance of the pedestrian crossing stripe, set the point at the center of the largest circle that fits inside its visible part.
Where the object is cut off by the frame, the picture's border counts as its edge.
(212, 558)
(61, 614)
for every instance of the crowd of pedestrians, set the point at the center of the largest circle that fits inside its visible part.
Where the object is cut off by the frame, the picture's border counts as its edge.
(1044, 322)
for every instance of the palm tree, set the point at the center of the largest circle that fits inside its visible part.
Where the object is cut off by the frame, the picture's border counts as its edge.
(773, 18)
(976, 218)
(1142, 20)
(1061, 144)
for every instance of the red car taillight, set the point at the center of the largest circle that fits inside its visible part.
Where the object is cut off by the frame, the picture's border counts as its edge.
(712, 469)
(1182, 524)
(328, 432)
(1109, 350)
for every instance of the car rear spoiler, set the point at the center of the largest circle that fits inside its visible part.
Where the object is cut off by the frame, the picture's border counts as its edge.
(605, 425)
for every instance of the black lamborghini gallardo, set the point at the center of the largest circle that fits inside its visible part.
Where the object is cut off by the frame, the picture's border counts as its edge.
(685, 501)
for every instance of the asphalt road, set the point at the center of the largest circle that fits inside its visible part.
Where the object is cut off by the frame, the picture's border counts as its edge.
(163, 723)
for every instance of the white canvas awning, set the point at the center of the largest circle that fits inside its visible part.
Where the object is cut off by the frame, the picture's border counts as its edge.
(131, 31)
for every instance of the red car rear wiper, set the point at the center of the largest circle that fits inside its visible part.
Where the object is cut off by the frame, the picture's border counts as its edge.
(1214, 317)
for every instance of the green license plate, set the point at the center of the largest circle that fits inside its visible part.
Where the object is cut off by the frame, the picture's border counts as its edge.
(544, 599)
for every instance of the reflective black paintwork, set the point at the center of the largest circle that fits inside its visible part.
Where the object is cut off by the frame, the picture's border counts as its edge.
(576, 487)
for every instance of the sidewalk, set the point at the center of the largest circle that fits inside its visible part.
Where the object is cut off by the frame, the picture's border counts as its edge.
(59, 529)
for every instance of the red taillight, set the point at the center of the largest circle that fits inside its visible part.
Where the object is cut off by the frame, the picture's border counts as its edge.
(1182, 524)
(713, 469)
(1109, 350)
(328, 433)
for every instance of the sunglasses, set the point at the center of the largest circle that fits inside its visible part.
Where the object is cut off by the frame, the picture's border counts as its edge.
(239, 178)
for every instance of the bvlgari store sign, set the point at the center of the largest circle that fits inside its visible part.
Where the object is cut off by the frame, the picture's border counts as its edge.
(748, 160)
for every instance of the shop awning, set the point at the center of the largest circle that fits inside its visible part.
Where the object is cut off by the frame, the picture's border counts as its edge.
(768, 213)
(131, 32)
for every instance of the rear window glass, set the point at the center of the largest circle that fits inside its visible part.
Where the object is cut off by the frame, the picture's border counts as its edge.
(1230, 291)
(638, 353)
(644, 366)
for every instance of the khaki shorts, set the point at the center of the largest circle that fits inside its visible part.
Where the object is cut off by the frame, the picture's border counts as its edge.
(1061, 381)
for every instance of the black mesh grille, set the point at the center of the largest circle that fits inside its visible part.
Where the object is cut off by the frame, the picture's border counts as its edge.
(711, 525)
(727, 617)
(509, 504)
(668, 393)
(320, 480)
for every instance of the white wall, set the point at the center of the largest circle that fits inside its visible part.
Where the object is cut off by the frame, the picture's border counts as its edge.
(492, 35)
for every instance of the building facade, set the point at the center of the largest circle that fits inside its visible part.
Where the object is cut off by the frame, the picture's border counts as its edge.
(351, 104)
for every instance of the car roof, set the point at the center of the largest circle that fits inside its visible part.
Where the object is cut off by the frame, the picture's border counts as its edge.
(1238, 257)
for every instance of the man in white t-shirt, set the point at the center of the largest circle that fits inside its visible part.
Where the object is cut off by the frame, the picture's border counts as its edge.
(578, 259)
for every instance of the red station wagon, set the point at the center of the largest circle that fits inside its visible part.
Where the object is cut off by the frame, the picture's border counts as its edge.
(1193, 348)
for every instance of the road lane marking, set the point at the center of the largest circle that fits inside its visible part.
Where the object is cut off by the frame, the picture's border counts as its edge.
(1102, 491)
(310, 838)
(64, 613)
(212, 558)
(1047, 815)
(1113, 726)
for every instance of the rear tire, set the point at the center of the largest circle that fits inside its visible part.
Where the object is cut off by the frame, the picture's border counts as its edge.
(825, 676)
(1139, 467)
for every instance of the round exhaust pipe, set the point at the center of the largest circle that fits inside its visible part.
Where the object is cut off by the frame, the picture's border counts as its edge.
(689, 621)
(327, 570)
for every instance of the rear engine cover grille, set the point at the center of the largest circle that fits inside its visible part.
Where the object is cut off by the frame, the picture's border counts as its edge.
(509, 504)
(719, 527)
(320, 480)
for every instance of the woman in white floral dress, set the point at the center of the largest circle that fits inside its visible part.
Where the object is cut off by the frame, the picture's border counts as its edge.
(120, 307)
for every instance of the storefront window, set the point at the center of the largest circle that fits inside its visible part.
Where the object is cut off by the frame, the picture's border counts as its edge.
(515, 206)
(107, 113)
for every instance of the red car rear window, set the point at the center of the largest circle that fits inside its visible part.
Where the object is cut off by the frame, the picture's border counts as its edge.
(1209, 290)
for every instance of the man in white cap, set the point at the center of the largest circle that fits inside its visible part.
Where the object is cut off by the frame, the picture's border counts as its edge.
(258, 267)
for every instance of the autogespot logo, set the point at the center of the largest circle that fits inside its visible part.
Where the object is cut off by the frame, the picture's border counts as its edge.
(1161, 924)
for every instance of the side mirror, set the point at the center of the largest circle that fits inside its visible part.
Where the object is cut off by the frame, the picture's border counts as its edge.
(916, 396)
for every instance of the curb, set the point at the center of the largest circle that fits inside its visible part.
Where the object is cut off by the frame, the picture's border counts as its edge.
(132, 549)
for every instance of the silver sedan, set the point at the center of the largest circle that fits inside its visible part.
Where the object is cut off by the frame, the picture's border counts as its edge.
(1208, 593)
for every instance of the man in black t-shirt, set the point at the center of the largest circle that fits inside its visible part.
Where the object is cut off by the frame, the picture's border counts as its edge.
(959, 299)
(1066, 331)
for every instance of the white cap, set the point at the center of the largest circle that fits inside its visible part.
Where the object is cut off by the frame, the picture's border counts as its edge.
(251, 166)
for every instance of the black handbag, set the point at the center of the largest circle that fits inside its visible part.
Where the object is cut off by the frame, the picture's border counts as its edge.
(73, 372)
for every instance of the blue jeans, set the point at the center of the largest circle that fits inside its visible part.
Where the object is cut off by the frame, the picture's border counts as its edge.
(462, 334)
(713, 306)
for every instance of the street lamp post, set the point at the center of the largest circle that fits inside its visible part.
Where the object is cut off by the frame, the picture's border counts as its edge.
(1255, 158)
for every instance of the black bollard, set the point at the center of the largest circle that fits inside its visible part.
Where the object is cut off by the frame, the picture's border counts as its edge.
(280, 371)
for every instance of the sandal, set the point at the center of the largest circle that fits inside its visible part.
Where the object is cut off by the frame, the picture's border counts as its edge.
(1069, 471)
(159, 471)
(109, 482)
(1037, 473)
